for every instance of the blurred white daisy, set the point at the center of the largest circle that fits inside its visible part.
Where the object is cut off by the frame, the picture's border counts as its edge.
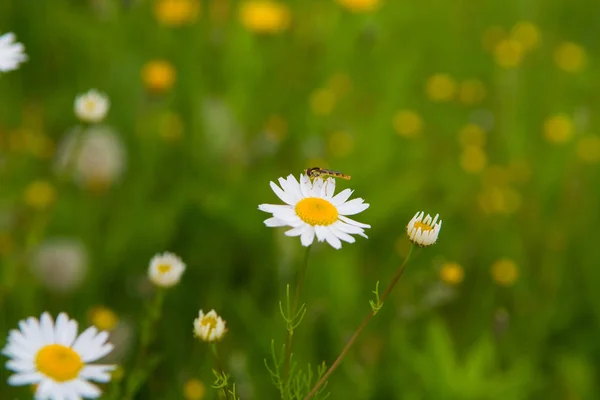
(95, 158)
(60, 264)
(55, 359)
(423, 232)
(312, 210)
(209, 327)
(91, 106)
(12, 53)
(165, 269)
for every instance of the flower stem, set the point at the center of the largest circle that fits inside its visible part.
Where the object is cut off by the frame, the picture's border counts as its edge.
(338, 360)
(293, 311)
(219, 367)
(138, 374)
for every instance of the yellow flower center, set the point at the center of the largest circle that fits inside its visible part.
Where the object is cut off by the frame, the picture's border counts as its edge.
(58, 362)
(164, 268)
(316, 211)
(89, 105)
(424, 227)
(210, 321)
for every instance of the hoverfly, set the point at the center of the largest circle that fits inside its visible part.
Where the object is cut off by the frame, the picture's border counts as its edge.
(316, 172)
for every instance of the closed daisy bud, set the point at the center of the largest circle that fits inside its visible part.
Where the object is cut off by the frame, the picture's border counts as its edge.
(209, 327)
(165, 269)
(423, 232)
(92, 106)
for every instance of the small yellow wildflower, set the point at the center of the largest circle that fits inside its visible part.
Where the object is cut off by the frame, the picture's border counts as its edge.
(519, 171)
(194, 389)
(322, 102)
(360, 6)
(40, 194)
(570, 57)
(440, 87)
(473, 159)
(117, 374)
(508, 53)
(526, 33)
(408, 123)
(452, 273)
(471, 135)
(505, 272)
(219, 10)
(158, 76)
(176, 12)
(588, 149)
(103, 318)
(265, 16)
(558, 129)
(471, 91)
(276, 128)
(499, 200)
(341, 144)
(340, 83)
(492, 36)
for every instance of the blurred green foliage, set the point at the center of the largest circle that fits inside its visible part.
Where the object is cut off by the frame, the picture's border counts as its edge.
(241, 108)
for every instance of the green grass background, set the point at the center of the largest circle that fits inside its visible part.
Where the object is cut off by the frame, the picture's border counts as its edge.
(198, 197)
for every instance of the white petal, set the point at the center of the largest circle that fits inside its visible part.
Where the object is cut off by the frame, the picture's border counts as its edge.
(84, 340)
(353, 207)
(305, 186)
(98, 373)
(297, 231)
(353, 222)
(341, 197)
(293, 187)
(286, 214)
(26, 378)
(21, 365)
(275, 222)
(86, 389)
(47, 328)
(32, 332)
(271, 208)
(321, 232)
(342, 235)
(285, 197)
(308, 236)
(328, 188)
(333, 240)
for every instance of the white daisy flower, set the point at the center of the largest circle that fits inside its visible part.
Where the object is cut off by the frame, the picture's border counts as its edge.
(312, 210)
(52, 356)
(60, 264)
(209, 327)
(12, 53)
(165, 269)
(423, 232)
(91, 106)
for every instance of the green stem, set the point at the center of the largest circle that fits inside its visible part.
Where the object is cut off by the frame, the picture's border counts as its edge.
(362, 326)
(292, 313)
(133, 382)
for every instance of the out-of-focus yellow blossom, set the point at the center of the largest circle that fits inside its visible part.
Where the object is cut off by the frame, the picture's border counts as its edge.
(265, 16)
(495, 175)
(340, 83)
(499, 200)
(559, 129)
(440, 87)
(588, 149)
(117, 374)
(508, 53)
(341, 144)
(471, 91)
(40, 194)
(219, 10)
(171, 127)
(322, 102)
(452, 273)
(30, 141)
(473, 159)
(570, 57)
(408, 123)
(505, 272)
(103, 318)
(158, 76)
(194, 389)
(176, 12)
(276, 128)
(471, 135)
(526, 33)
(6, 244)
(492, 36)
(360, 6)
(519, 171)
